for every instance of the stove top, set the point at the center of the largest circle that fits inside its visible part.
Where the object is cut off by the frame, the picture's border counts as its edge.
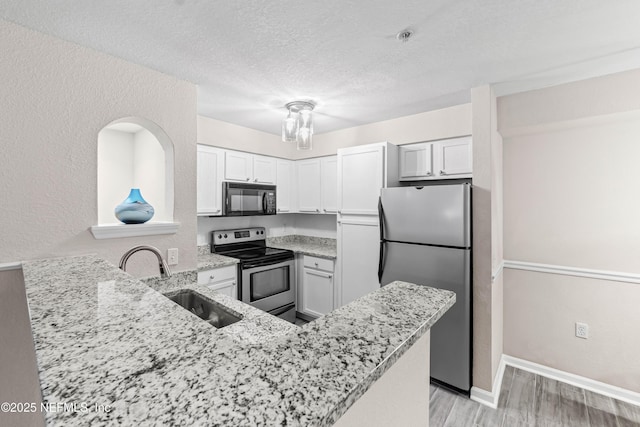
(247, 245)
(254, 253)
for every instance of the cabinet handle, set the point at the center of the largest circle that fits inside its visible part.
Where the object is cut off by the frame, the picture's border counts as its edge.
(340, 212)
(324, 210)
(217, 210)
(428, 174)
(212, 277)
(443, 173)
(316, 264)
(317, 210)
(247, 178)
(255, 180)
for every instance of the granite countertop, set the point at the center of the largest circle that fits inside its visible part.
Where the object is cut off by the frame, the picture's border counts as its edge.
(105, 338)
(307, 245)
(209, 261)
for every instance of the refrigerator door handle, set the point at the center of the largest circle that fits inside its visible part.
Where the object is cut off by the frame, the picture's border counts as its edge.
(382, 241)
(381, 218)
(381, 261)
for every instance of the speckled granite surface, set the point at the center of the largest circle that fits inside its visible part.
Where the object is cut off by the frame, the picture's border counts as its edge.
(307, 245)
(105, 338)
(209, 261)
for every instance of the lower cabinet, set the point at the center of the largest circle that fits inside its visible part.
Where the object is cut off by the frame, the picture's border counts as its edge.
(316, 287)
(221, 279)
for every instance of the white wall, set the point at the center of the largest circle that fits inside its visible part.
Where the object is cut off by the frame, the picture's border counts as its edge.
(571, 199)
(56, 97)
(487, 239)
(429, 126)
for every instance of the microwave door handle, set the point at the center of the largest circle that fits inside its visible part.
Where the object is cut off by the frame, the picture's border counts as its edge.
(264, 202)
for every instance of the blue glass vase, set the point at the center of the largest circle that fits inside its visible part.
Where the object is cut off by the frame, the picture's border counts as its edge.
(134, 209)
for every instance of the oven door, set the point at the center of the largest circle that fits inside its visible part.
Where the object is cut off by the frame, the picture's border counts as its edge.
(270, 286)
(248, 199)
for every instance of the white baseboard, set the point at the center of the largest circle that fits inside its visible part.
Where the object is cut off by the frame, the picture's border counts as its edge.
(576, 380)
(490, 398)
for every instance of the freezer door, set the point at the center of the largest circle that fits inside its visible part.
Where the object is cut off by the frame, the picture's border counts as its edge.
(445, 268)
(437, 214)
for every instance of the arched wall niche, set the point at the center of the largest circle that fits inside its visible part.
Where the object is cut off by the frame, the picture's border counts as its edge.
(134, 152)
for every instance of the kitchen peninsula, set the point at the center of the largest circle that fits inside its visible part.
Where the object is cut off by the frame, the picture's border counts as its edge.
(104, 338)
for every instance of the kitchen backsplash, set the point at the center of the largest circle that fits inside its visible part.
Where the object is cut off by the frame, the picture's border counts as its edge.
(323, 226)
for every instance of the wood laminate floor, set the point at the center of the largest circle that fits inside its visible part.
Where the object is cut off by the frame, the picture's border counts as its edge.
(528, 400)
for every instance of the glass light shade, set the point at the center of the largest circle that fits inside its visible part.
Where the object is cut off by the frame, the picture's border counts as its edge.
(304, 141)
(305, 120)
(290, 127)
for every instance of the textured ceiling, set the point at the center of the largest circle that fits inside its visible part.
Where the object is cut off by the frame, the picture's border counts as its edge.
(250, 57)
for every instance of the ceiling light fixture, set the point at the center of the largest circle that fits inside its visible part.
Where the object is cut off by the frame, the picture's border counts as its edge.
(298, 125)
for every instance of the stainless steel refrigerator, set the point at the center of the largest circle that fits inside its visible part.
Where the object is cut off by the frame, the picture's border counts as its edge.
(425, 238)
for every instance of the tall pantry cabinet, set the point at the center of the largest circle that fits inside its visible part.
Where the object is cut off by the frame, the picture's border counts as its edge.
(362, 171)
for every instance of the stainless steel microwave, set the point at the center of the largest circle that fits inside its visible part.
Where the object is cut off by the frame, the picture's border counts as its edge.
(242, 199)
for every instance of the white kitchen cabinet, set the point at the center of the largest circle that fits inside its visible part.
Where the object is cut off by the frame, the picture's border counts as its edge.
(358, 252)
(221, 279)
(446, 159)
(264, 169)
(246, 167)
(309, 185)
(317, 185)
(210, 166)
(362, 171)
(285, 182)
(416, 161)
(329, 184)
(453, 158)
(316, 289)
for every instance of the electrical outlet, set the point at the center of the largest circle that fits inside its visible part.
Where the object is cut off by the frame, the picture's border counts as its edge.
(172, 256)
(582, 330)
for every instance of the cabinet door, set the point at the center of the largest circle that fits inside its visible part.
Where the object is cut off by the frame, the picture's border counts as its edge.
(264, 170)
(329, 181)
(209, 180)
(238, 166)
(285, 185)
(416, 162)
(358, 252)
(317, 293)
(360, 178)
(309, 185)
(454, 157)
(228, 288)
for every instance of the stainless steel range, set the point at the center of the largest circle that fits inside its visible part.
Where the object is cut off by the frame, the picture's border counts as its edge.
(266, 276)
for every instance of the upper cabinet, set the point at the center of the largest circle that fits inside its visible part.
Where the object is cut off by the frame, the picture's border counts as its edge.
(309, 185)
(362, 171)
(317, 185)
(246, 167)
(447, 159)
(210, 173)
(329, 184)
(285, 179)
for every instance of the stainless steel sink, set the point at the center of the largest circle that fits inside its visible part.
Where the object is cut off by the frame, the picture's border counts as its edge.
(214, 314)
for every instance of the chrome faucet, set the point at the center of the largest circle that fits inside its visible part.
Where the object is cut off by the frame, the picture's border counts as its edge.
(164, 268)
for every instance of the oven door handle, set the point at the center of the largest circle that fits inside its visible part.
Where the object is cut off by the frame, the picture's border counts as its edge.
(276, 264)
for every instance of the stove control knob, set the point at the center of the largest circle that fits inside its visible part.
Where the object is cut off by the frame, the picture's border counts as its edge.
(219, 236)
(225, 236)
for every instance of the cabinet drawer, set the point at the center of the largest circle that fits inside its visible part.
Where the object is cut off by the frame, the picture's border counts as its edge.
(318, 263)
(210, 277)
